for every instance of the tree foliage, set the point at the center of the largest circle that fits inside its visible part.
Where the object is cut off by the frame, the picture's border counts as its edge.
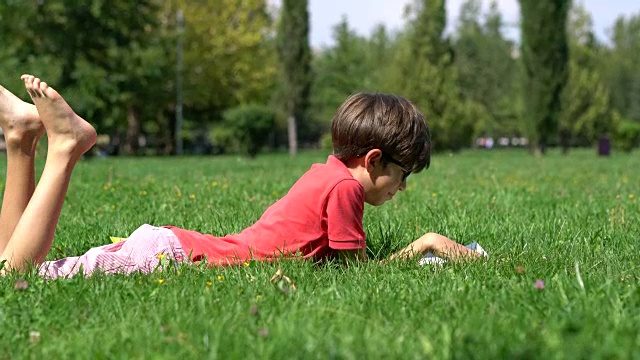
(355, 63)
(545, 58)
(621, 67)
(229, 57)
(425, 74)
(100, 55)
(115, 61)
(488, 71)
(585, 114)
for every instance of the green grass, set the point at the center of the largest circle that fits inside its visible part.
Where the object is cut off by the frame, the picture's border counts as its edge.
(548, 218)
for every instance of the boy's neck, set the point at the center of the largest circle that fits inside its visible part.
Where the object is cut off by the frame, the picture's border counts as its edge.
(357, 168)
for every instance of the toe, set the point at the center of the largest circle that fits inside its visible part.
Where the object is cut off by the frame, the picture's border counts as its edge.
(43, 88)
(36, 87)
(28, 84)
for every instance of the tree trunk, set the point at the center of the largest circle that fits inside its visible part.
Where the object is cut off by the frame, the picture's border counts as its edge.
(133, 131)
(293, 135)
(565, 140)
(167, 132)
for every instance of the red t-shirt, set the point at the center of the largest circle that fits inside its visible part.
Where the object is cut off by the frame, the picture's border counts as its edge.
(321, 213)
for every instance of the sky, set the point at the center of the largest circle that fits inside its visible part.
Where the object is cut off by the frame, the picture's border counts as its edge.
(364, 15)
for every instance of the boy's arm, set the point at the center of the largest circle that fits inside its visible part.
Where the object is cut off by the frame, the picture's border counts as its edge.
(439, 245)
(431, 242)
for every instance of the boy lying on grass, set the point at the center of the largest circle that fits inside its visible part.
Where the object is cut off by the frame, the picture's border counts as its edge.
(378, 141)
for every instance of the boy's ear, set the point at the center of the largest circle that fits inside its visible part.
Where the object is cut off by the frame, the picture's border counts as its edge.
(372, 159)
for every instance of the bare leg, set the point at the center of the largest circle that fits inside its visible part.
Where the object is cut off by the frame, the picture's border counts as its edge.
(22, 129)
(69, 136)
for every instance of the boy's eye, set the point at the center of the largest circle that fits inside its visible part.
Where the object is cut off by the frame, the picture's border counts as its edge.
(405, 174)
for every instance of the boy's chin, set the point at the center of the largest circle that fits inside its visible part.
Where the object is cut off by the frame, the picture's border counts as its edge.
(377, 202)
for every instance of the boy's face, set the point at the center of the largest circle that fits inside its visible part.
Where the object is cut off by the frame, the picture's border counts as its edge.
(386, 181)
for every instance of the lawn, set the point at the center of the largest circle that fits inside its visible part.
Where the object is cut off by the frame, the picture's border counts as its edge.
(562, 280)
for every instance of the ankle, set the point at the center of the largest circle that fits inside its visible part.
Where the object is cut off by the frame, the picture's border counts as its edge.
(21, 144)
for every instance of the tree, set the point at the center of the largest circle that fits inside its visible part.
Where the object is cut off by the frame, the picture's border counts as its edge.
(621, 67)
(17, 54)
(585, 112)
(229, 60)
(99, 54)
(352, 64)
(228, 56)
(487, 69)
(295, 59)
(545, 59)
(424, 73)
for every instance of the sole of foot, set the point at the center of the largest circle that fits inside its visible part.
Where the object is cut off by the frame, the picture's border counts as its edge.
(67, 132)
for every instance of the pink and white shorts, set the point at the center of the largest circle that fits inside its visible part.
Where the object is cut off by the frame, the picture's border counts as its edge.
(145, 250)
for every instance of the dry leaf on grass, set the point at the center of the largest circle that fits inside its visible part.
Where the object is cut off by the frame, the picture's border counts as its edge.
(283, 282)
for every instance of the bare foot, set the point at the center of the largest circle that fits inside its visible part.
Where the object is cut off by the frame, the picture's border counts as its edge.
(67, 132)
(19, 120)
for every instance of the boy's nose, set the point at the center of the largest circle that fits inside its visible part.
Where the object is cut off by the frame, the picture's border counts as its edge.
(403, 185)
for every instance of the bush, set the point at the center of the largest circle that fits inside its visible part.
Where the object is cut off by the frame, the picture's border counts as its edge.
(627, 135)
(250, 125)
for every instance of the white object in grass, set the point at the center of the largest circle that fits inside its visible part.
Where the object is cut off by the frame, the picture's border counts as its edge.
(429, 258)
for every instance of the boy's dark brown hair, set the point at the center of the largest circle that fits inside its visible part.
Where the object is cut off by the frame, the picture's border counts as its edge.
(387, 122)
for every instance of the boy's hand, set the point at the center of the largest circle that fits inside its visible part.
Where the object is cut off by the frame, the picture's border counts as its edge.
(440, 245)
(447, 248)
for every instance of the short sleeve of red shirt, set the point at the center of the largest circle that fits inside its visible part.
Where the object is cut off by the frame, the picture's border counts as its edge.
(345, 208)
